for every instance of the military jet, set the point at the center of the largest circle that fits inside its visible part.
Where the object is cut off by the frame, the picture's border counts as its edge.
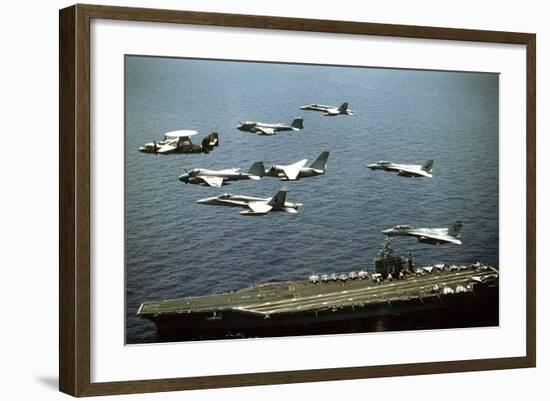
(254, 206)
(180, 142)
(298, 170)
(432, 236)
(405, 170)
(329, 110)
(217, 178)
(270, 129)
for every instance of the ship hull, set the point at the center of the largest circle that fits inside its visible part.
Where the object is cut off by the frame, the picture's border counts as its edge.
(477, 308)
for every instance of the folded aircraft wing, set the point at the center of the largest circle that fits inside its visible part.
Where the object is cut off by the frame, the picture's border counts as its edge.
(265, 131)
(292, 170)
(212, 181)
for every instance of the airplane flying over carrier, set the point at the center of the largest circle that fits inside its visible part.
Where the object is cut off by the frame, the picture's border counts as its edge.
(217, 178)
(432, 236)
(299, 170)
(254, 206)
(270, 129)
(329, 110)
(180, 142)
(405, 170)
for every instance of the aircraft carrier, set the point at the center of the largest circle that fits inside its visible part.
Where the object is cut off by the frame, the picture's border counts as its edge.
(396, 296)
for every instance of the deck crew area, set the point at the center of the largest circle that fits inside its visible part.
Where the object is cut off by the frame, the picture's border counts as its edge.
(315, 294)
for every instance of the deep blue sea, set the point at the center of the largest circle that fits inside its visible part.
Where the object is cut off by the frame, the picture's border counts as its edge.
(176, 247)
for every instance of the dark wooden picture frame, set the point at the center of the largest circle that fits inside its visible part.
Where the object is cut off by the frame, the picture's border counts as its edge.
(74, 199)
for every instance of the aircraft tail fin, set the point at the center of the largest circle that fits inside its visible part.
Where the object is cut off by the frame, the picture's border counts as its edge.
(210, 141)
(321, 162)
(427, 167)
(257, 169)
(454, 230)
(279, 199)
(298, 123)
(343, 108)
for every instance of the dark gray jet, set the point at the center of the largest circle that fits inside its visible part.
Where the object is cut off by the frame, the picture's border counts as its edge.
(270, 129)
(432, 236)
(330, 111)
(254, 206)
(405, 170)
(299, 169)
(217, 178)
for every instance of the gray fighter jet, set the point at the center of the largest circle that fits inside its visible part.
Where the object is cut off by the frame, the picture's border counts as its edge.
(329, 110)
(405, 170)
(432, 236)
(299, 170)
(270, 129)
(254, 206)
(217, 178)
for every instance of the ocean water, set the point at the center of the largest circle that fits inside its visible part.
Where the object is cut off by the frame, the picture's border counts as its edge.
(176, 247)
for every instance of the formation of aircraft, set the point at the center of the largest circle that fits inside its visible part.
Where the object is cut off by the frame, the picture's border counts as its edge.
(260, 128)
(329, 110)
(299, 169)
(405, 170)
(217, 178)
(180, 142)
(254, 206)
(432, 236)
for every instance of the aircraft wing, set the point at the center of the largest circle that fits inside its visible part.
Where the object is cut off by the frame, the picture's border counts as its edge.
(331, 112)
(292, 170)
(212, 181)
(257, 208)
(169, 147)
(441, 237)
(265, 131)
(412, 171)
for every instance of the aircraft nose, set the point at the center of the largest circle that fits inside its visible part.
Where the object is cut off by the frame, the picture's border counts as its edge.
(206, 201)
(388, 231)
(184, 178)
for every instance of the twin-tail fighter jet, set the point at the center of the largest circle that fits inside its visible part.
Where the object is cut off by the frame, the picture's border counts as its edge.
(217, 178)
(299, 169)
(330, 111)
(254, 206)
(405, 170)
(270, 129)
(180, 142)
(432, 236)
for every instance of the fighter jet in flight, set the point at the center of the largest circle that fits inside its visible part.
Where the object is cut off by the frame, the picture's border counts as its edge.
(270, 129)
(405, 170)
(299, 170)
(217, 178)
(254, 206)
(179, 142)
(329, 110)
(432, 236)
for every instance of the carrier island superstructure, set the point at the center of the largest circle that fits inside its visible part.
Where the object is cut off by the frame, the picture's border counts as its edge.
(396, 296)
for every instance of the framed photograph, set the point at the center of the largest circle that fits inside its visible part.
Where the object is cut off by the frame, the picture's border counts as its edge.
(297, 200)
